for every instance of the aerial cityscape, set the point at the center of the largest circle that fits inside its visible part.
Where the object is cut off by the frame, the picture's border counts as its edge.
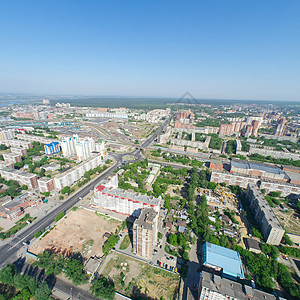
(125, 177)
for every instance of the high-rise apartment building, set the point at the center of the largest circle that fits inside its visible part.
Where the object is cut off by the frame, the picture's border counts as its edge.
(226, 129)
(68, 145)
(280, 128)
(84, 148)
(52, 148)
(270, 226)
(7, 134)
(145, 232)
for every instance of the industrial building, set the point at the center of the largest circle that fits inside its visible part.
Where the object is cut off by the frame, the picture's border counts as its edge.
(257, 170)
(52, 148)
(270, 226)
(215, 287)
(108, 196)
(222, 261)
(145, 229)
(71, 176)
(21, 177)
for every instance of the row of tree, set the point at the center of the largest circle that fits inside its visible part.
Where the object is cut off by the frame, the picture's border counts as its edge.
(19, 286)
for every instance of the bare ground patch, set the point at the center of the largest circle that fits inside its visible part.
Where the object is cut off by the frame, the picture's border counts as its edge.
(80, 231)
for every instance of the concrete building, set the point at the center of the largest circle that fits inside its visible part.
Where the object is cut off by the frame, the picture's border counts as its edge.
(21, 177)
(12, 208)
(252, 245)
(84, 149)
(222, 261)
(68, 145)
(19, 151)
(71, 176)
(107, 115)
(257, 170)
(7, 134)
(274, 153)
(144, 233)
(215, 287)
(107, 195)
(286, 189)
(270, 226)
(216, 164)
(280, 128)
(226, 129)
(12, 157)
(52, 148)
(46, 184)
(51, 167)
(17, 144)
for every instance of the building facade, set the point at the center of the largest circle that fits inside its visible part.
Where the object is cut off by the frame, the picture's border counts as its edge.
(21, 177)
(270, 226)
(46, 184)
(71, 176)
(52, 148)
(107, 195)
(145, 229)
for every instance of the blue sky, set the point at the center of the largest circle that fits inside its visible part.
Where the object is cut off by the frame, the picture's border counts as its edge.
(221, 49)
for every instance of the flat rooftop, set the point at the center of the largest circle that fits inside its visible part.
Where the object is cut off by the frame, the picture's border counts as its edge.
(265, 206)
(146, 218)
(227, 259)
(215, 285)
(256, 166)
(129, 195)
(18, 172)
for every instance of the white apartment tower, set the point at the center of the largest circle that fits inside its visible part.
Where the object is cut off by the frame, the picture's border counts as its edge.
(85, 148)
(68, 145)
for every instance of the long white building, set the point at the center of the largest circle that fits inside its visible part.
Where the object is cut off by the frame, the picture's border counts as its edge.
(107, 195)
(71, 176)
(7, 134)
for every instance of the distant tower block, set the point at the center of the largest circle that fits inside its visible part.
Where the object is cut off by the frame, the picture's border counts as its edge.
(193, 136)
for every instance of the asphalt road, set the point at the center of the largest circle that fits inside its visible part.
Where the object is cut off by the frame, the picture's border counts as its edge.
(9, 250)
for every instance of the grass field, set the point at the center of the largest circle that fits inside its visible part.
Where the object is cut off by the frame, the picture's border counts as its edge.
(139, 280)
(125, 243)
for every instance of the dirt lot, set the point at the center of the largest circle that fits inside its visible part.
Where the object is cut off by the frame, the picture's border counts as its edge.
(81, 231)
(140, 279)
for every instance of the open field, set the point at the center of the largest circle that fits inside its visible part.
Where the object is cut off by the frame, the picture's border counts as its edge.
(289, 219)
(80, 231)
(133, 277)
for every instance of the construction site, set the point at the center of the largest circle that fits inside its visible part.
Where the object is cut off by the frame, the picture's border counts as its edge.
(80, 231)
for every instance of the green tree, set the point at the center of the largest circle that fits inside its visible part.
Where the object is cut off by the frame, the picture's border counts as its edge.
(74, 271)
(7, 274)
(24, 187)
(103, 288)
(42, 292)
(172, 239)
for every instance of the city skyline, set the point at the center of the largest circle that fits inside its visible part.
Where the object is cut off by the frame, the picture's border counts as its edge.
(215, 50)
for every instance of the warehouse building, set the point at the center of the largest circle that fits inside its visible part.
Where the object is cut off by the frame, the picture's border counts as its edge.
(222, 261)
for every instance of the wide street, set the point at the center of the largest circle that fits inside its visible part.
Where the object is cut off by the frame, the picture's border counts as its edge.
(9, 250)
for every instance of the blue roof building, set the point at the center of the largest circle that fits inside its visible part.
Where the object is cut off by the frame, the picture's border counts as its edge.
(223, 261)
(52, 148)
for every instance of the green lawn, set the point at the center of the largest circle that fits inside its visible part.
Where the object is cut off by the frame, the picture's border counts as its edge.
(125, 243)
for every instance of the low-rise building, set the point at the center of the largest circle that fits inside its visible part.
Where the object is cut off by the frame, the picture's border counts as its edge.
(46, 184)
(12, 157)
(21, 177)
(51, 167)
(252, 245)
(215, 287)
(222, 261)
(17, 143)
(270, 226)
(144, 233)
